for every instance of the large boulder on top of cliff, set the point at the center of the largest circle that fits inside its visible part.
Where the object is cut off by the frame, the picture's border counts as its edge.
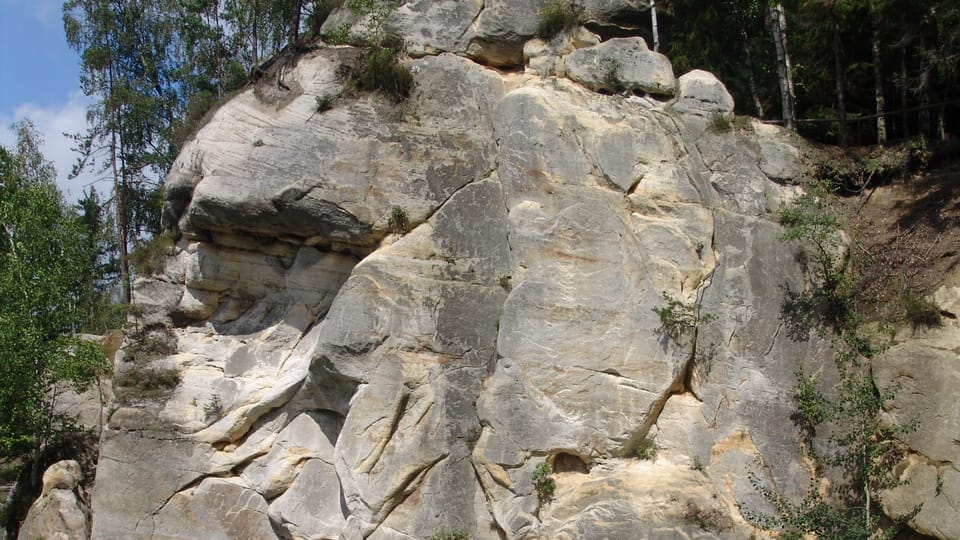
(622, 64)
(700, 92)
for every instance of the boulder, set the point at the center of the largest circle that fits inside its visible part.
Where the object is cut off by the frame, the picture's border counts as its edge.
(700, 92)
(622, 65)
(58, 514)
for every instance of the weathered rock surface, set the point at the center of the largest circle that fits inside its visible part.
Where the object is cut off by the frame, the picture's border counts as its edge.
(58, 514)
(623, 64)
(343, 380)
(925, 370)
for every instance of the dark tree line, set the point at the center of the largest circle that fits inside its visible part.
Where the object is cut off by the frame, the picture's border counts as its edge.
(843, 71)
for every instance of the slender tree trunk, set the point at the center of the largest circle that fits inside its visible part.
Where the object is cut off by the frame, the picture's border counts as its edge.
(653, 24)
(119, 190)
(751, 80)
(840, 80)
(295, 24)
(778, 24)
(254, 20)
(878, 77)
(904, 115)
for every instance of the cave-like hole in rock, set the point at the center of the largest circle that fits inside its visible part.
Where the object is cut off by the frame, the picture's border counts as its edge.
(564, 462)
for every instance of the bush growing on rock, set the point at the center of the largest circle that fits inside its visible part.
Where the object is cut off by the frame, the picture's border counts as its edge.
(543, 482)
(557, 16)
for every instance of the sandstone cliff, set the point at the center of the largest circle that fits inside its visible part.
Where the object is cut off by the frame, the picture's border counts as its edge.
(343, 378)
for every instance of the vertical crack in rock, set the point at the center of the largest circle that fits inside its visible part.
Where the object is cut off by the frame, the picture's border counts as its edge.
(490, 500)
(682, 383)
(367, 465)
(410, 483)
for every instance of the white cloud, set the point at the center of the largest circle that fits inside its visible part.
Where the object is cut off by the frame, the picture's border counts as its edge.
(53, 122)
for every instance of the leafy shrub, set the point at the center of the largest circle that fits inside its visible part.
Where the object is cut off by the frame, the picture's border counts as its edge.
(543, 482)
(830, 303)
(812, 405)
(324, 103)
(557, 16)
(647, 450)
(213, 408)
(150, 257)
(339, 35)
(921, 312)
(381, 71)
(399, 222)
(697, 464)
(678, 319)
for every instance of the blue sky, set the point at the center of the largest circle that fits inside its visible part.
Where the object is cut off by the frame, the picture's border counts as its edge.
(39, 80)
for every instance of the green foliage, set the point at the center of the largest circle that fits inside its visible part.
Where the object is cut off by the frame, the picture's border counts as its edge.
(451, 535)
(324, 103)
(381, 71)
(812, 406)
(862, 451)
(398, 223)
(45, 294)
(697, 464)
(921, 312)
(150, 257)
(678, 319)
(150, 383)
(213, 408)
(557, 16)
(828, 304)
(339, 35)
(720, 123)
(543, 481)
(647, 450)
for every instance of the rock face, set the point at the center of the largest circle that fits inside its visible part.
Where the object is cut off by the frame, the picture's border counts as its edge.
(342, 378)
(925, 369)
(58, 514)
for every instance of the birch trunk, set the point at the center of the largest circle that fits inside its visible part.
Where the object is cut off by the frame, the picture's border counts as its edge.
(878, 78)
(778, 23)
(653, 24)
(840, 83)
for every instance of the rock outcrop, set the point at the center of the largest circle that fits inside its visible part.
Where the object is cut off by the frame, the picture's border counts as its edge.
(344, 378)
(58, 514)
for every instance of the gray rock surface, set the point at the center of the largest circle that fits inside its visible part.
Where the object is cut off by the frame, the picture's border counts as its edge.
(340, 379)
(623, 64)
(58, 514)
(924, 367)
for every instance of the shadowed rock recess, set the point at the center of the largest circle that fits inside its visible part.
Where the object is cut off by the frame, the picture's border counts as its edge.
(340, 379)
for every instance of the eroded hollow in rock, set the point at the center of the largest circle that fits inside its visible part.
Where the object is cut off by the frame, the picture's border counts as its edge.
(564, 462)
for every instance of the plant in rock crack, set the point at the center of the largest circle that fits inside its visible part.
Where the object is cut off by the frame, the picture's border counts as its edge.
(543, 481)
(399, 222)
(678, 319)
(557, 16)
